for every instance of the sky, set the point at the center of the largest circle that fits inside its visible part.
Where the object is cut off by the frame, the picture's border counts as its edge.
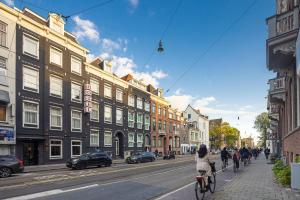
(229, 81)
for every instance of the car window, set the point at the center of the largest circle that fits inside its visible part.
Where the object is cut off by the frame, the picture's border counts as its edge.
(84, 157)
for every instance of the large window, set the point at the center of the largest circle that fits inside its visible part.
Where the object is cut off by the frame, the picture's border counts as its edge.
(76, 148)
(55, 149)
(130, 139)
(30, 46)
(139, 103)
(76, 120)
(154, 141)
(94, 86)
(76, 92)
(3, 34)
(147, 122)
(159, 110)
(94, 138)
(131, 100)
(131, 119)
(119, 95)
(56, 118)
(139, 120)
(159, 142)
(2, 113)
(107, 114)
(147, 106)
(153, 108)
(119, 116)
(140, 140)
(75, 65)
(107, 91)
(30, 114)
(107, 139)
(56, 56)
(165, 126)
(56, 88)
(2, 63)
(30, 79)
(159, 125)
(154, 124)
(95, 112)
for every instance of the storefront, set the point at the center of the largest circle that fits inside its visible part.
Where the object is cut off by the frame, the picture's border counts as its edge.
(7, 140)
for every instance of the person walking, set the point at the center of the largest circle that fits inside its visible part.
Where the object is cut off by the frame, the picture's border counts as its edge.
(267, 153)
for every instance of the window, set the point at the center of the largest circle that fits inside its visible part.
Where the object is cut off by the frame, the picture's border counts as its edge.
(75, 65)
(154, 141)
(76, 120)
(139, 103)
(131, 100)
(119, 116)
(159, 110)
(170, 115)
(153, 108)
(3, 33)
(30, 79)
(170, 127)
(164, 112)
(165, 126)
(147, 106)
(130, 139)
(56, 56)
(159, 142)
(107, 114)
(159, 125)
(55, 149)
(30, 114)
(107, 91)
(94, 138)
(189, 116)
(76, 92)
(147, 122)
(56, 86)
(94, 86)
(56, 116)
(75, 148)
(119, 95)
(30, 46)
(131, 119)
(95, 112)
(2, 63)
(2, 113)
(154, 124)
(107, 139)
(139, 140)
(139, 120)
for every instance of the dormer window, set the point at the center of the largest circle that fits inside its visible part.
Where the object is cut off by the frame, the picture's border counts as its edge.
(56, 23)
(108, 66)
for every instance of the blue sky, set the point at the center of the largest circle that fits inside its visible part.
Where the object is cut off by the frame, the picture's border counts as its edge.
(230, 81)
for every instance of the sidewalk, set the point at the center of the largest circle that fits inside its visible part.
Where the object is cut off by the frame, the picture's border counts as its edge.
(255, 182)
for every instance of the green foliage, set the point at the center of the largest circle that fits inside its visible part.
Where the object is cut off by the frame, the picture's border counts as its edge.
(282, 173)
(297, 159)
(261, 124)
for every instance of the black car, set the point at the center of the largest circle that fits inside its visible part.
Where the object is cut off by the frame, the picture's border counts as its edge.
(10, 165)
(169, 156)
(90, 159)
(141, 157)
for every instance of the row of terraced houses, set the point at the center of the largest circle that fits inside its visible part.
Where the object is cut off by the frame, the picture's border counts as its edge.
(55, 105)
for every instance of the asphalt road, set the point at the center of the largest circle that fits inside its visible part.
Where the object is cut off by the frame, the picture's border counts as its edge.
(158, 180)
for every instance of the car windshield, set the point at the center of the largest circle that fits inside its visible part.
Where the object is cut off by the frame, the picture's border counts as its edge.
(84, 157)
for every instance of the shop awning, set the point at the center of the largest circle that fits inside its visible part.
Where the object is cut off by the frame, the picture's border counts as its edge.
(4, 96)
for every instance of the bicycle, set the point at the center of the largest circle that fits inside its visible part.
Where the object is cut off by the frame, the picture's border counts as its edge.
(224, 164)
(201, 187)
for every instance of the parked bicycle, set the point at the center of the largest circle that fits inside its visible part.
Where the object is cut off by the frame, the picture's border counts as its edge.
(205, 183)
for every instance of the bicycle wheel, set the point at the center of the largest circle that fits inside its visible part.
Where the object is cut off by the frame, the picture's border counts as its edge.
(199, 190)
(212, 183)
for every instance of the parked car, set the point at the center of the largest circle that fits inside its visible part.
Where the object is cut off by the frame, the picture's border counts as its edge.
(170, 155)
(10, 165)
(141, 157)
(90, 159)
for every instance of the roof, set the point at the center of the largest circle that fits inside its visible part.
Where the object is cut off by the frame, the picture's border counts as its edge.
(128, 77)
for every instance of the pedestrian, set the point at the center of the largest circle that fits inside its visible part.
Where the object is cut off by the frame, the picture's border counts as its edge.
(267, 152)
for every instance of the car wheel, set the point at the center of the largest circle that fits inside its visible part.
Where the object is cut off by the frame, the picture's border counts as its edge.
(107, 164)
(5, 172)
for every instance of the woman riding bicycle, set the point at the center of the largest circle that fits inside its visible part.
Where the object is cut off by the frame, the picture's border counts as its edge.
(203, 161)
(236, 157)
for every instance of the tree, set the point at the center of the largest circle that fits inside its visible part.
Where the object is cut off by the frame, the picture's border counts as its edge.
(261, 124)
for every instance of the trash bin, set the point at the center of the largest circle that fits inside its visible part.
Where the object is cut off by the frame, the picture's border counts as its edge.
(295, 176)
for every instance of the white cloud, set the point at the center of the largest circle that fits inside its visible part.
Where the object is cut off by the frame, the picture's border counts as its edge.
(9, 2)
(159, 74)
(109, 46)
(85, 29)
(134, 3)
(178, 91)
(204, 101)
(90, 57)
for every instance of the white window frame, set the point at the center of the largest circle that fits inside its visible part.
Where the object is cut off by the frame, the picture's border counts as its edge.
(91, 116)
(108, 121)
(121, 121)
(131, 139)
(131, 121)
(4, 33)
(139, 140)
(119, 95)
(31, 39)
(55, 50)
(54, 89)
(95, 82)
(78, 60)
(106, 144)
(147, 125)
(61, 149)
(139, 103)
(74, 129)
(61, 116)
(36, 90)
(131, 100)
(80, 97)
(147, 106)
(35, 126)
(4, 61)
(72, 155)
(139, 124)
(95, 133)
(106, 87)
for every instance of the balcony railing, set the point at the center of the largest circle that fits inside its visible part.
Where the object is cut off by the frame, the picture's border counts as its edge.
(161, 132)
(274, 111)
(277, 85)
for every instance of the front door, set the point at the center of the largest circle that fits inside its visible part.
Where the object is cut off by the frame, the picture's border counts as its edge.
(30, 153)
(117, 147)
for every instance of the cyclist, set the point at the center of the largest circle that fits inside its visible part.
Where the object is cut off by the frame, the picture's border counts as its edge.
(224, 156)
(236, 157)
(203, 162)
(244, 154)
(255, 153)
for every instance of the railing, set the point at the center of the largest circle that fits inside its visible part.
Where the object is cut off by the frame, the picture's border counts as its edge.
(161, 132)
(274, 109)
(277, 85)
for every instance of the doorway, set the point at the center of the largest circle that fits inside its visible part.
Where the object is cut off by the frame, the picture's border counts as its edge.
(30, 153)
(117, 147)
(119, 144)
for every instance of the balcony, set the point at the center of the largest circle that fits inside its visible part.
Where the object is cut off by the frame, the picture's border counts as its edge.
(277, 90)
(274, 111)
(162, 132)
(281, 43)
